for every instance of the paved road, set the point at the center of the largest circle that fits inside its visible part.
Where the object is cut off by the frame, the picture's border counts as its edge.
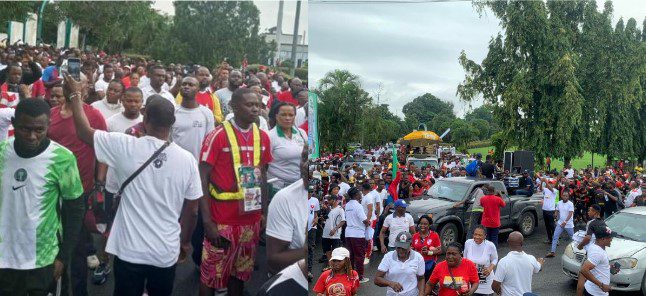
(187, 279)
(549, 282)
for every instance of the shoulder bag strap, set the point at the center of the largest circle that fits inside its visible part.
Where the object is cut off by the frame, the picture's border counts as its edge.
(141, 168)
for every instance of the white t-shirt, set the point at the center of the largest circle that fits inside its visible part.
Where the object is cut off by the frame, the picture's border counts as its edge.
(397, 225)
(224, 94)
(300, 116)
(632, 195)
(343, 188)
(191, 127)
(404, 273)
(372, 198)
(146, 228)
(336, 216)
(149, 91)
(483, 255)
(286, 154)
(314, 206)
(287, 215)
(107, 110)
(549, 199)
(515, 272)
(601, 271)
(5, 122)
(564, 209)
(119, 123)
(355, 215)
(570, 173)
(101, 85)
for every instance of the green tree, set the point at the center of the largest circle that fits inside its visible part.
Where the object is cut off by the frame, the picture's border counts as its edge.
(16, 11)
(425, 107)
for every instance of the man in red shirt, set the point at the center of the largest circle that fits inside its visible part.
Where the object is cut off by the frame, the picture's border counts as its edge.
(491, 214)
(233, 167)
(63, 131)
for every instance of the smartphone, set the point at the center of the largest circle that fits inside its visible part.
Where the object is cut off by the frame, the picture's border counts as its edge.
(74, 68)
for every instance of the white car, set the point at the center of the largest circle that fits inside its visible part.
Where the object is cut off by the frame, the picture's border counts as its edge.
(628, 248)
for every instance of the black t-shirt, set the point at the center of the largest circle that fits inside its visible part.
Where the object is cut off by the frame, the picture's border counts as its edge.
(593, 225)
(611, 205)
(487, 170)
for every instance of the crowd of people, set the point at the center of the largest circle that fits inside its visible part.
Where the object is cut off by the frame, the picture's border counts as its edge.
(135, 166)
(359, 213)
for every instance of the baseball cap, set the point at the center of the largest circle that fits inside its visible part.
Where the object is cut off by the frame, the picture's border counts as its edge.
(403, 240)
(603, 232)
(340, 254)
(401, 203)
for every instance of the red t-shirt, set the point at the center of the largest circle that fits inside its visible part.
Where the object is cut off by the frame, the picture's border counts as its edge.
(339, 284)
(465, 273)
(432, 240)
(204, 98)
(38, 89)
(216, 152)
(491, 213)
(62, 131)
(126, 81)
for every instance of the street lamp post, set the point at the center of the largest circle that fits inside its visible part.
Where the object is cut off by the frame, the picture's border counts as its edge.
(39, 30)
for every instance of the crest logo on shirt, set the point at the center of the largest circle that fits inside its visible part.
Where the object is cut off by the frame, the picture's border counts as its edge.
(20, 175)
(160, 160)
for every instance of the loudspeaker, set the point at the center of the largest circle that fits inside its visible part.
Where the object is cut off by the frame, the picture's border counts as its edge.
(508, 161)
(523, 160)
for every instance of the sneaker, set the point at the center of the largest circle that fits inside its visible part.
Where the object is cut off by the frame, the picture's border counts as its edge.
(364, 280)
(93, 262)
(100, 275)
(550, 255)
(366, 261)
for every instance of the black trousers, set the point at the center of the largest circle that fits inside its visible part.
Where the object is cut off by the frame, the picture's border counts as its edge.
(550, 225)
(33, 282)
(129, 279)
(311, 244)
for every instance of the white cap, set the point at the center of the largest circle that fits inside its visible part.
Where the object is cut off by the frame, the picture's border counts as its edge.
(340, 254)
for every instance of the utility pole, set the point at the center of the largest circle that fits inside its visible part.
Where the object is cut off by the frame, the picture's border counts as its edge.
(39, 29)
(295, 39)
(279, 31)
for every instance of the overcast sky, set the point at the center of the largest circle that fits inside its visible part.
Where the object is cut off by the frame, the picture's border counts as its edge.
(268, 15)
(409, 48)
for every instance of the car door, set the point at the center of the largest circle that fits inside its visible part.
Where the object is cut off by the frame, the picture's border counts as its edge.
(505, 212)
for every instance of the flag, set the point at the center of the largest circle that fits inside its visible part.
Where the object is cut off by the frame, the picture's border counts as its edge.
(395, 161)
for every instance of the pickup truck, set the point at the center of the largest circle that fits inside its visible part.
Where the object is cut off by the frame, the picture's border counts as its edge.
(450, 200)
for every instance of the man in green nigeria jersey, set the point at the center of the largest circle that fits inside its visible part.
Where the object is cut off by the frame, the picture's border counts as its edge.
(40, 209)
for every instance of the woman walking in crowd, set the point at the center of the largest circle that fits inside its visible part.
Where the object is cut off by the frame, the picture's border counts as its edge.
(484, 254)
(402, 270)
(340, 279)
(427, 242)
(455, 275)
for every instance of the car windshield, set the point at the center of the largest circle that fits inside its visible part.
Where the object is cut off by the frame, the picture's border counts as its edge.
(424, 163)
(629, 226)
(444, 189)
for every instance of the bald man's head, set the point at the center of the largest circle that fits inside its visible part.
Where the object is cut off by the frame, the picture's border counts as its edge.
(515, 240)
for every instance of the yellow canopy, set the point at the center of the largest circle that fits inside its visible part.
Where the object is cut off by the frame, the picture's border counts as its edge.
(420, 138)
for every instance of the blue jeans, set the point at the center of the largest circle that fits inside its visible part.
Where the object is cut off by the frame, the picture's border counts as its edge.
(492, 235)
(557, 232)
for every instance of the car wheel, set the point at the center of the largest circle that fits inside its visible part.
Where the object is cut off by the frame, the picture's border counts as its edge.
(448, 234)
(527, 223)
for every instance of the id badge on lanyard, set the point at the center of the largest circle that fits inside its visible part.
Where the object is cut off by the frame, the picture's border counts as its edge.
(250, 183)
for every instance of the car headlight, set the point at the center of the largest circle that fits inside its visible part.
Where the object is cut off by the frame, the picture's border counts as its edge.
(625, 263)
(569, 252)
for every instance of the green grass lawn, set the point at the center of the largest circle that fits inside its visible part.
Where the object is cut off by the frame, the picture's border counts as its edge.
(577, 163)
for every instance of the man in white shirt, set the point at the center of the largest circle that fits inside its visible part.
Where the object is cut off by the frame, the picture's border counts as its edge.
(157, 78)
(402, 271)
(148, 256)
(235, 81)
(131, 114)
(314, 206)
(287, 219)
(549, 206)
(565, 211)
(635, 192)
(331, 238)
(355, 231)
(101, 86)
(396, 222)
(371, 203)
(596, 268)
(111, 103)
(514, 272)
(192, 120)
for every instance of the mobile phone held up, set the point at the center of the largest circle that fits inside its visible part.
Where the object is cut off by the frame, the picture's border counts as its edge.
(74, 68)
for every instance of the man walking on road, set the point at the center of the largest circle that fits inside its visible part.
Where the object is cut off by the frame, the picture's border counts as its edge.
(514, 272)
(596, 268)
